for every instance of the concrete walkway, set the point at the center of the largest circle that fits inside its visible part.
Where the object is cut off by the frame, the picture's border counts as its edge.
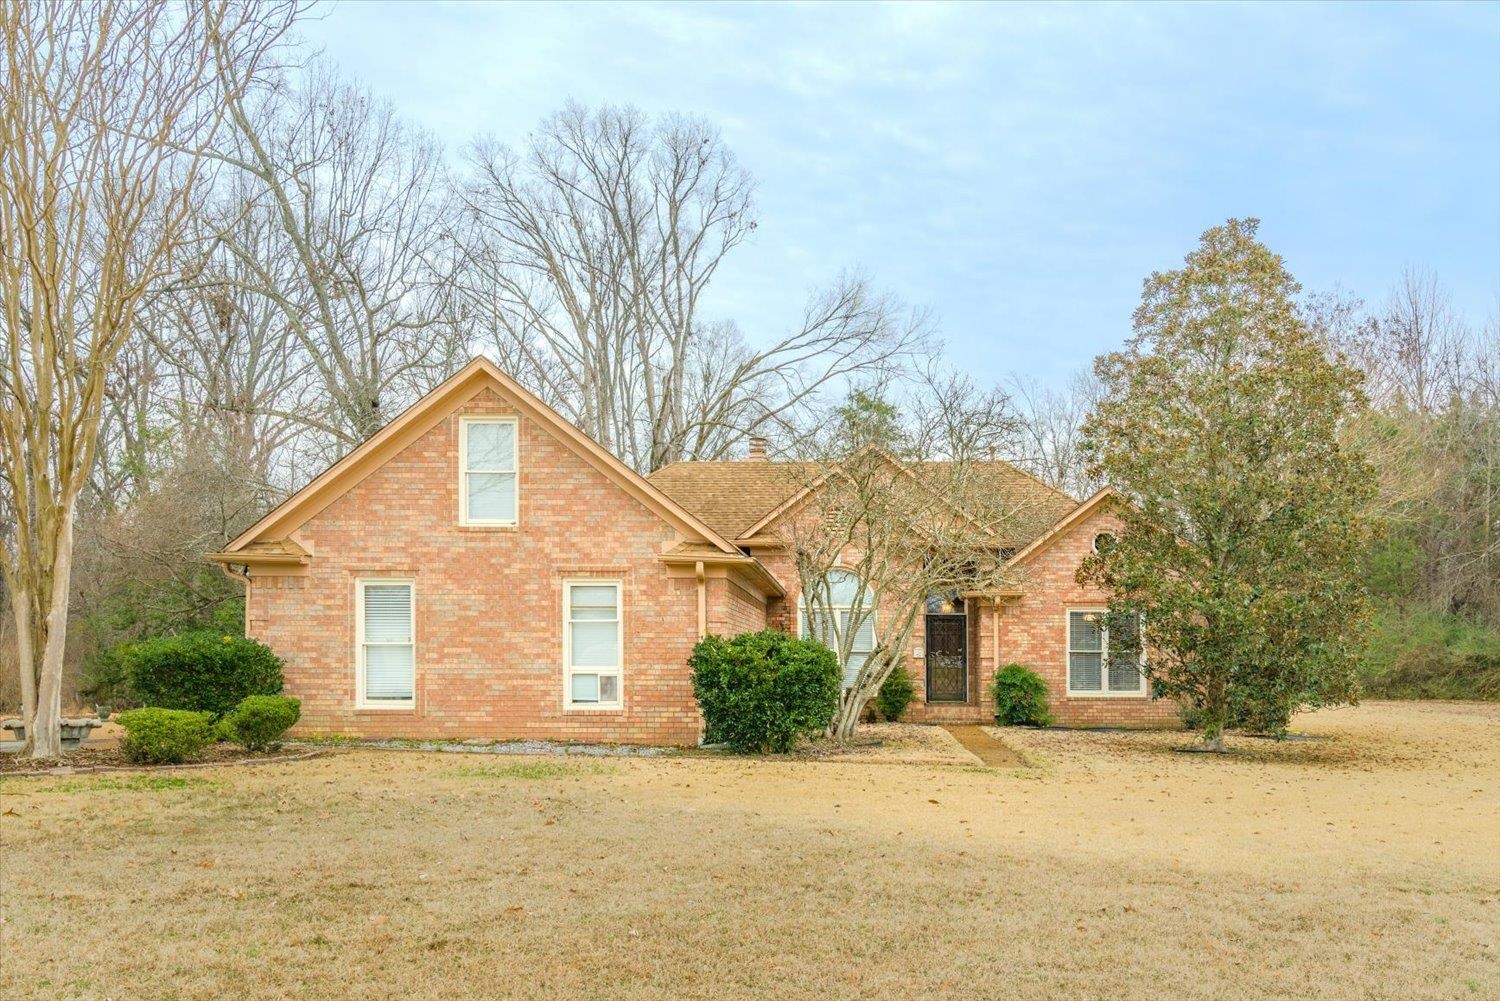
(994, 753)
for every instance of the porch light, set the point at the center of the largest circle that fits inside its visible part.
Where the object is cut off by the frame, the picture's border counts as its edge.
(945, 604)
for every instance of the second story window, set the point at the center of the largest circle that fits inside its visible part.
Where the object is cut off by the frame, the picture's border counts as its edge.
(487, 486)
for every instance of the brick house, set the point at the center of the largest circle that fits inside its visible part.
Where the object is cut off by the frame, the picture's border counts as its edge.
(480, 568)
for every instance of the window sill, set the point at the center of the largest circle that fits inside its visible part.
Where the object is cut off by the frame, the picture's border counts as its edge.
(593, 709)
(409, 709)
(1108, 695)
(509, 526)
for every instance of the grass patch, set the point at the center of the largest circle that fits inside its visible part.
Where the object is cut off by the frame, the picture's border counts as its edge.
(532, 770)
(129, 783)
(372, 874)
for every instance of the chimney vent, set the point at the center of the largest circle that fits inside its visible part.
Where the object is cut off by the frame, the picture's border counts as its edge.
(757, 449)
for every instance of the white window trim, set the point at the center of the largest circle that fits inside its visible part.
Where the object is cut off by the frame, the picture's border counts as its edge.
(617, 671)
(1104, 692)
(463, 472)
(360, 702)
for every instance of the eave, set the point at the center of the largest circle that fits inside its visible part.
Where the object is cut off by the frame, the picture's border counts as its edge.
(748, 565)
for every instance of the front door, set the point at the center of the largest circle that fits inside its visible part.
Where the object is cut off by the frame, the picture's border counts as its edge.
(947, 658)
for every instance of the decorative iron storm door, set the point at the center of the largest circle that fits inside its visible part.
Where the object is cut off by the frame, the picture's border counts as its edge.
(947, 658)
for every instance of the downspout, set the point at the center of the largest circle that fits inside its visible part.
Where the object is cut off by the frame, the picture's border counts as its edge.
(242, 575)
(702, 601)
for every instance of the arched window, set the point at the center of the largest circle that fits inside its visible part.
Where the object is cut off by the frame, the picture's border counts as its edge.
(844, 603)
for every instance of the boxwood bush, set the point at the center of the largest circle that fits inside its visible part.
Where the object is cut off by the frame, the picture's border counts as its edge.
(895, 695)
(761, 691)
(201, 671)
(165, 736)
(1020, 697)
(259, 721)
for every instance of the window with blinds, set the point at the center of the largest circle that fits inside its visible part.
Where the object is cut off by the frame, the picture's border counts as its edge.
(847, 597)
(386, 620)
(1093, 667)
(593, 639)
(487, 471)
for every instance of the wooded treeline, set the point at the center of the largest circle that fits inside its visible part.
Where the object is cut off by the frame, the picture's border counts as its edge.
(336, 262)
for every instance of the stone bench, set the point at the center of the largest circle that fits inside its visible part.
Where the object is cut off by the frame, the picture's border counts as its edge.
(74, 731)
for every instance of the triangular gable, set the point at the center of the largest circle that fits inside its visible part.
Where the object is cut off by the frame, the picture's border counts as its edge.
(1060, 528)
(479, 374)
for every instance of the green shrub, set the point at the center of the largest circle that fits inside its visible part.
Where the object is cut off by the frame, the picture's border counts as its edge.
(202, 671)
(1435, 672)
(761, 691)
(895, 695)
(103, 679)
(259, 721)
(1020, 697)
(165, 736)
(1394, 632)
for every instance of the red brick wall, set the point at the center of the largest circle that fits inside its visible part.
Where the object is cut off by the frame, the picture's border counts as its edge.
(489, 607)
(488, 600)
(733, 610)
(1033, 632)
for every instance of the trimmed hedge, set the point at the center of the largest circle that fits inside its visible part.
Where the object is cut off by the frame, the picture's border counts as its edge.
(201, 671)
(165, 736)
(761, 691)
(259, 721)
(1020, 697)
(895, 695)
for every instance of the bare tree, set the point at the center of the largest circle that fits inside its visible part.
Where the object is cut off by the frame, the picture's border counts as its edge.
(1050, 436)
(1414, 352)
(588, 257)
(880, 526)
(338, 222)
(237, 377)
(105, 113)
(1432, 434)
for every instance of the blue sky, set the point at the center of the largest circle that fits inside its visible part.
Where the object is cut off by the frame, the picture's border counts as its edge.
(1016, 169)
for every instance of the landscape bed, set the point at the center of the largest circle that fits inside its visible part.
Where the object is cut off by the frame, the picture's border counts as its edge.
(112, 758)
(1358, 865)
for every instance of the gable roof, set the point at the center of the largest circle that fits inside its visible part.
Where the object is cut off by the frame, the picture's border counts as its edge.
(740, 498)
(1061, 526)
(732, 496)
(479, 374)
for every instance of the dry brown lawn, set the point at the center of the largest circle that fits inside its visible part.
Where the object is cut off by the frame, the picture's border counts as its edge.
(1361, 865)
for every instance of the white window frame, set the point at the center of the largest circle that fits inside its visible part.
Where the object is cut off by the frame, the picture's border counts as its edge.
(360, 702)
(1104, 690)
(617, 671)
(464, 424)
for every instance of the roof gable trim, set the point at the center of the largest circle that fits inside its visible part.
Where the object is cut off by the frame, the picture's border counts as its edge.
(478, 375)
(1061, 526)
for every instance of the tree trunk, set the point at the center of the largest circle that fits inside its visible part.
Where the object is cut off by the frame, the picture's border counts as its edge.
(848, 716)
(20, 609)
(44, 726)
(1215, 713)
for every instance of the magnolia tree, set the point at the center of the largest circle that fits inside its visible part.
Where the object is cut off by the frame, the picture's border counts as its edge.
(1220, 423)
(888, 512)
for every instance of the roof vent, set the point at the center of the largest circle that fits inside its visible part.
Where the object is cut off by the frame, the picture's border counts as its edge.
(757, 449)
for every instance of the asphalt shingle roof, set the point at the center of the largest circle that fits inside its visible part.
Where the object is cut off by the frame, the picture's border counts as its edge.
(732, 496)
